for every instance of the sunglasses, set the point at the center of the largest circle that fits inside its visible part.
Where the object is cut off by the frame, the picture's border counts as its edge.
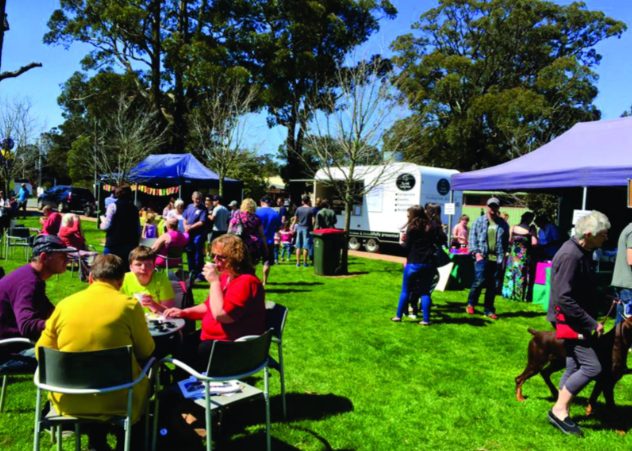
(220, 257)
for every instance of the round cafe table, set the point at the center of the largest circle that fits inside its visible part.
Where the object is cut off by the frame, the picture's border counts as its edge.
(162, 327)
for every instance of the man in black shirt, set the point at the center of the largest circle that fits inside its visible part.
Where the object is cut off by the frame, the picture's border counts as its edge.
(574, 306)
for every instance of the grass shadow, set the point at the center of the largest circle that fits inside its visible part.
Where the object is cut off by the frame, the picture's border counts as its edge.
(468, 320)
(258, 441)
(286, 290)
(522, 314)
(618, 420)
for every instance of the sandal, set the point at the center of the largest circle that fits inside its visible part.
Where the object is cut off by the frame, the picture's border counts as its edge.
(396, 319)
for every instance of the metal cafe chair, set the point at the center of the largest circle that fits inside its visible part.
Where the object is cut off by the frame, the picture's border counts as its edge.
(5, 373)
(228, 361)
(276, 315)
(87, 373)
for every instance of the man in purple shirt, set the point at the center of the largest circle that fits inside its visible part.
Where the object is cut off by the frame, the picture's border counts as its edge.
(195, 217)
(24, 306)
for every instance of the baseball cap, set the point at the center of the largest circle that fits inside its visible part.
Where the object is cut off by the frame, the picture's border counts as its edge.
(266, 199)
(49, 243)
(493, 200)
(217, 197)
(233, 203)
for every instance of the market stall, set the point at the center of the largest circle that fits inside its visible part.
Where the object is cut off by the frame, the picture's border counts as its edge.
(588, 167)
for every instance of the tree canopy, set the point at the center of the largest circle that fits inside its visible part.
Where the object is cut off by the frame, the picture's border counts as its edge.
(489, 80)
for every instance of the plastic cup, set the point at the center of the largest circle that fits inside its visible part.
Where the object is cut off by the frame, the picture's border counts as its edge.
(139, 296)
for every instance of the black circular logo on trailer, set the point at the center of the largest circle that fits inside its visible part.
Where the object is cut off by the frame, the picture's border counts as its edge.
(443, 186)
(405, 182)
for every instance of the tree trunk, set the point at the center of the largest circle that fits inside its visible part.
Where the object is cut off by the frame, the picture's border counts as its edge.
(3, 6)
(221, 184)
(156, 93)
(179, 126)
(344, 258)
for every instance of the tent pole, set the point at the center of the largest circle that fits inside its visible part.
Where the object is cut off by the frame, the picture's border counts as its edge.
(136, 195)
(450, 219)
(584, 197)
(180, 197)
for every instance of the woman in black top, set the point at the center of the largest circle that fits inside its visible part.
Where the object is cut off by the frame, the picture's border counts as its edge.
(421, 239)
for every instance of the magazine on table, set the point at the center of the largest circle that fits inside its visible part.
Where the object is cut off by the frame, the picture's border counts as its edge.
(193, 388)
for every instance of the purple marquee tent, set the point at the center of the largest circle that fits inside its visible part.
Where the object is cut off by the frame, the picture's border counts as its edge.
(589, 154)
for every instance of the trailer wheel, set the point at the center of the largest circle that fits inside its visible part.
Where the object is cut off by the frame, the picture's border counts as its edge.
(372, 245)
(354, 243)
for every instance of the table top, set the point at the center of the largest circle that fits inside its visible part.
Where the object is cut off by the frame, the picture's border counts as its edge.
(160, 327)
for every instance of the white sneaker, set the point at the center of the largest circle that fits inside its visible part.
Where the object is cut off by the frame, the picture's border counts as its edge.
(412, 316)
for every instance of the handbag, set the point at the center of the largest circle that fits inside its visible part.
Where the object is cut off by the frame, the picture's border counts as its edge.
(236, 228)
(562, 330)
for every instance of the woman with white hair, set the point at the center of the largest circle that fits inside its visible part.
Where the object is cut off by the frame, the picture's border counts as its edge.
(574, 307)
(71, 233)
(177, 213)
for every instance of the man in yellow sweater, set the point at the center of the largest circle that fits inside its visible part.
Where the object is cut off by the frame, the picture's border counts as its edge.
(100, 317)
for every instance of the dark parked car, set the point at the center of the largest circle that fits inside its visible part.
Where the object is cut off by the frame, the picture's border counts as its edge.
(68, 198)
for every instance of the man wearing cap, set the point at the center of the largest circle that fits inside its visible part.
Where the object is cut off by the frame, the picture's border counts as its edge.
(24, 306)
(219, 216)
(489, 239)
(271, 222)
(234, 206)
(304, 218)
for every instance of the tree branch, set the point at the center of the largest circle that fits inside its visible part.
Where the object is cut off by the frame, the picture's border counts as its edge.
(20, 71)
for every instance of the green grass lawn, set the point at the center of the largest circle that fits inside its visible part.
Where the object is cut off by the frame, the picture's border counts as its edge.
(357, 381)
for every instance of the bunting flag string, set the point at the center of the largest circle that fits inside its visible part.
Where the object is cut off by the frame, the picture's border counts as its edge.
(148, 190)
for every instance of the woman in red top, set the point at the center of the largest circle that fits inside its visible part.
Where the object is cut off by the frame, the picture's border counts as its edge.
(70, 232)
(235, 306)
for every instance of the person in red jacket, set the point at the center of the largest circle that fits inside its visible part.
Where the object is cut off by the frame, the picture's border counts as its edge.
(51, 221)
(71, 233)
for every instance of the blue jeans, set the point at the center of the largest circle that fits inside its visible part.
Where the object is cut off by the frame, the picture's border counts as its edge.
(276, 252)
(625, 294)
(486, 276)
(286, 248)
(195, 253)
(418, 278)
(22, 361)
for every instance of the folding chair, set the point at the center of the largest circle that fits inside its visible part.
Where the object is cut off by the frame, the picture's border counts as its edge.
(87, 373)
(5, 373)
(18, 237)
(275, 321)
(228, 361)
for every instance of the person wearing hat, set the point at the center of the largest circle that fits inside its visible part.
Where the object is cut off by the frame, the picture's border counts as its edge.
(489, 239)
(234, 206)
(271, 222)
(24, 306)
(219, 216)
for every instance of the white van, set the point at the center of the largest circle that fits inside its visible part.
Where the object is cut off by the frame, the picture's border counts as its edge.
(381, 215)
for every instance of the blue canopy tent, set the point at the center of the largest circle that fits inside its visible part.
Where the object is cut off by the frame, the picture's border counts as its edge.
(175, 169)
(181, 170)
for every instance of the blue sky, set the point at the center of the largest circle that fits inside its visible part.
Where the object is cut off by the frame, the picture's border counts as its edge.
(23, 44)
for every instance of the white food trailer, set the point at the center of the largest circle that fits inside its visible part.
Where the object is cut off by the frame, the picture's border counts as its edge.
(382, 212)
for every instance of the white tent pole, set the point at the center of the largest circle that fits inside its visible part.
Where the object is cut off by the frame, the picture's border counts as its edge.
(450, 219)
(584, 197)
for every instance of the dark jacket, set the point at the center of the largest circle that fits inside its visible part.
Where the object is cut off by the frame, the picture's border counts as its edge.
(573, 288)
(125, 227)
(422, 245)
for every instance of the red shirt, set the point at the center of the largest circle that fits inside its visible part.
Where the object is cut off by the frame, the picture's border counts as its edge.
(52, 224)
(71, 236)
(244, 302)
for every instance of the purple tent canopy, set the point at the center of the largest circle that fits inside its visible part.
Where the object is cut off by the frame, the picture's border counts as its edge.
(589, 154)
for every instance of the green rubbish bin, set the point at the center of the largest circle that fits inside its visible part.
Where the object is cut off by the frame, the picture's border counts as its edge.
(327, 248)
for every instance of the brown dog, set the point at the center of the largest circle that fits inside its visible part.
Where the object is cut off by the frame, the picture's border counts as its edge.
(612, 351)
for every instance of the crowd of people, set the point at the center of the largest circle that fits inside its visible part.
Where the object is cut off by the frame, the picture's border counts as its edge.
(125, 285)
